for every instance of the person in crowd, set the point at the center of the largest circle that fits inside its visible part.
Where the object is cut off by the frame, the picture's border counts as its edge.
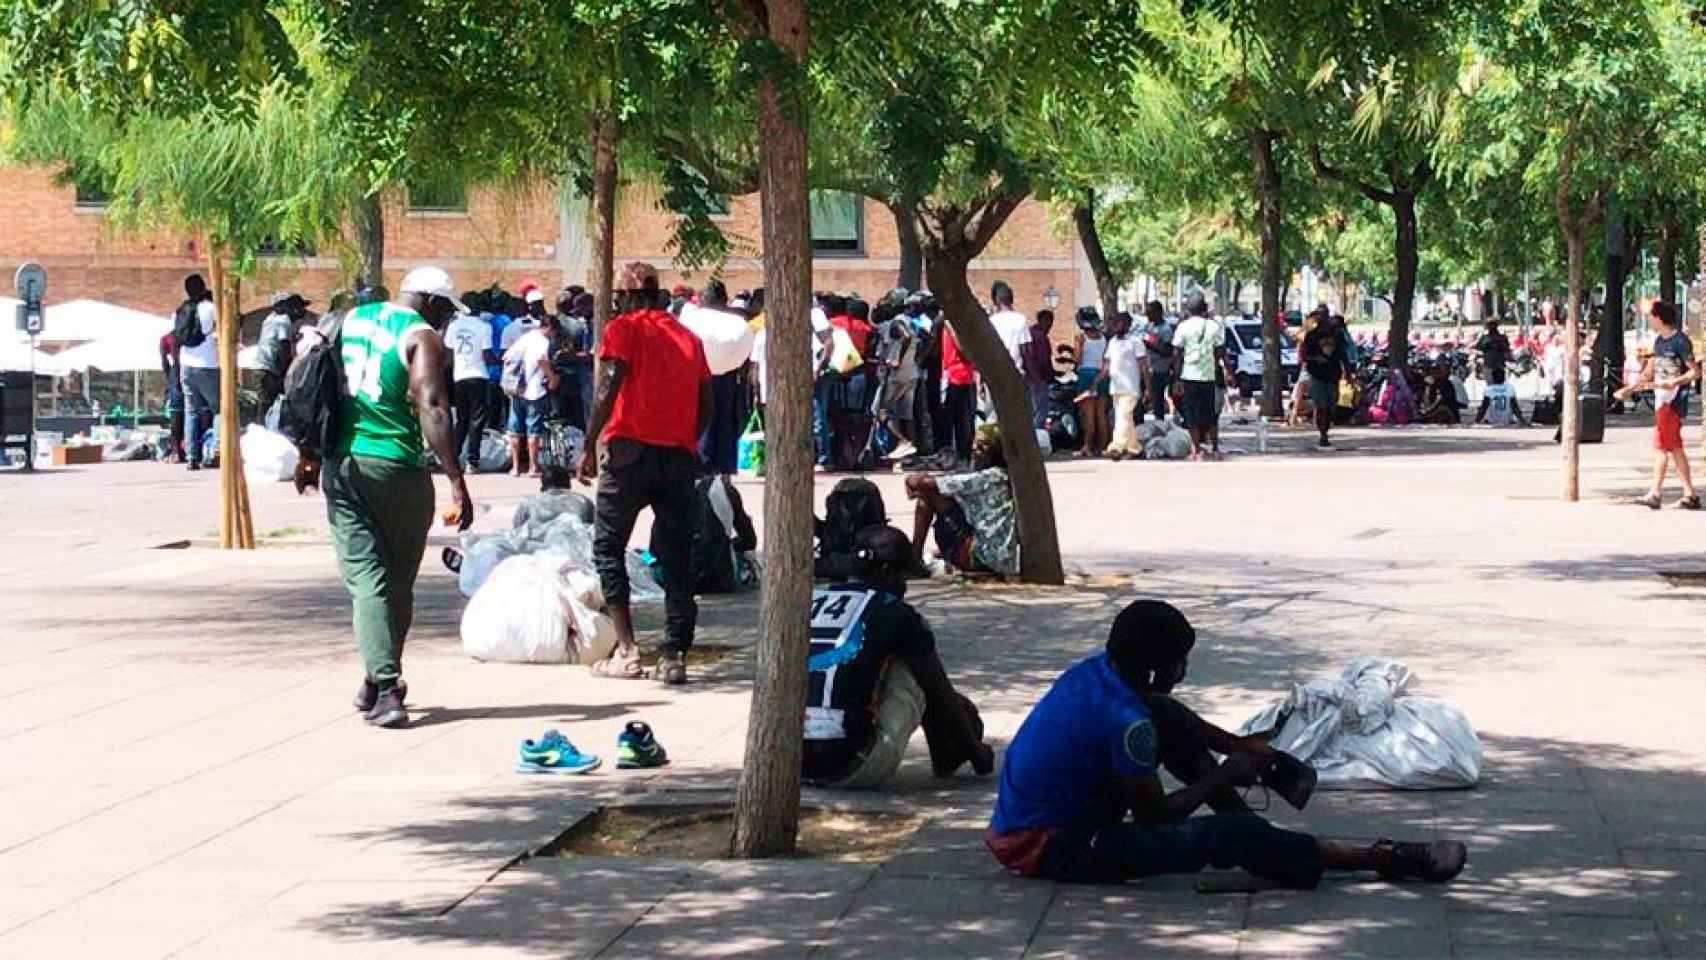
(574, 357)
(526, 314)
(1158, 346)
(277, 345)
(897, 400)
(959, 402)
(171, 372)
(1093, 386)
(530, 356)
(1499, 406)
(650, 409)
(469, 339)
(1494, 348)
(1124, 371)
(1670, 373)
(1324, 357)
(379, 494)
(760, 350)
(931, 417)
(1438, 404)
(728, 346)
(1300, 391)
(875, 678)
(972, 514)
(1038, 366)
(1395, 404)
(1096, 812)
(1198, 348)
(200, 366)
(1010, 325)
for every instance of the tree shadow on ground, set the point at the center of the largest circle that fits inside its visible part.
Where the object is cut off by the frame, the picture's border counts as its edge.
(1574, 847)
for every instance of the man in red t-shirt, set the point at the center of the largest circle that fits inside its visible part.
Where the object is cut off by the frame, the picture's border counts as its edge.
(651, 405)
(960, 400)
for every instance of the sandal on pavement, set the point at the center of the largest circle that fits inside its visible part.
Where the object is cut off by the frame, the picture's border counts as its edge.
(1690, 502)
(619, 668)
(1650, 502)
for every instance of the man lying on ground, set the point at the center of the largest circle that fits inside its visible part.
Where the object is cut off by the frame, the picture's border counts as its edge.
(973, 514)
(1081, 801)
(875, 678)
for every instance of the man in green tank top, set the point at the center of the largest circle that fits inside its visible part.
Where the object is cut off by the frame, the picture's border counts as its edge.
(379, 494)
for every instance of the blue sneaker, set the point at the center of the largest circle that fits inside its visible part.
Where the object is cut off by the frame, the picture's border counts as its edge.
(553, 753)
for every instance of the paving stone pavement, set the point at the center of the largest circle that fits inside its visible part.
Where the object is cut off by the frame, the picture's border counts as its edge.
(183, 776)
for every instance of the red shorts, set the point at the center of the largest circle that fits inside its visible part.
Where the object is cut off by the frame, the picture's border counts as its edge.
(1667, 429)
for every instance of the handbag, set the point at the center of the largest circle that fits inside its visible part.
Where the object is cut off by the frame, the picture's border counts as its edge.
(749, 449)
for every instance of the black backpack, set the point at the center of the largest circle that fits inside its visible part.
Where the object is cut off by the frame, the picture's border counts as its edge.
(853, 505)
(186, 326)
(719, 561)
(314, 392)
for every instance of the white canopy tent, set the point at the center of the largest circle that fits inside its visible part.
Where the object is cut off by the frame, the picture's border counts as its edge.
(80, 321)
(117, 353)
(15, 354)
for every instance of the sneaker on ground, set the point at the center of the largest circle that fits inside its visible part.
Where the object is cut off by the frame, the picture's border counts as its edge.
(553, 753)
(672, 668)
(903, 451)
(388, 709)
(637, 748)
(368, 695)
(1434, 862)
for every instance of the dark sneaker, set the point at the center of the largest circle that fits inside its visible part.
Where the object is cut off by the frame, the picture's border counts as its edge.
(1434, 862)
(368, 695)
(638, 749)
(194, 465)
(1324, 444)
(388, 709)
(672, 668)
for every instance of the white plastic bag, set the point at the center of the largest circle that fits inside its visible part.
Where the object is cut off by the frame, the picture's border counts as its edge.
(268, 457)
(1362, 731)
(521, 614)
(595, 634)
(726, 336)
(536, 513)
(480, 556)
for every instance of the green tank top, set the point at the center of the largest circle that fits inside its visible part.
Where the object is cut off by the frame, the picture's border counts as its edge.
(379, 419)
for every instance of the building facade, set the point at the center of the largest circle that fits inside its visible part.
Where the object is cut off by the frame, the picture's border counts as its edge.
(485, 237)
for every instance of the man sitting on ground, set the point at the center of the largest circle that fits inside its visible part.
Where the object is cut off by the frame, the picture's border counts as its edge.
(973, 514)
(1087, 756)
(875, 678)
(1499, 405)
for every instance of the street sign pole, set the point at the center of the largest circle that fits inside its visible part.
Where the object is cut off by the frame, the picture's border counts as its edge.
(31, 284)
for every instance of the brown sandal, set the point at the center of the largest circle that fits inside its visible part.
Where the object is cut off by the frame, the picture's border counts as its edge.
(613, 668)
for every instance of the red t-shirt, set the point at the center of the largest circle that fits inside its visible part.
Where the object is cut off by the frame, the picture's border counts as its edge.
(658, 403)
(956, 368)
(858, 331)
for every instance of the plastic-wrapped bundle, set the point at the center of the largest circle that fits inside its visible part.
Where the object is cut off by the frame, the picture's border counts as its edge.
(1363, 731)
(537, 609)
(536, 512)
(480, 556)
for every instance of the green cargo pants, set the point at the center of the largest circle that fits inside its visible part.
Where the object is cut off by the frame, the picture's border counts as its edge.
(380, 512)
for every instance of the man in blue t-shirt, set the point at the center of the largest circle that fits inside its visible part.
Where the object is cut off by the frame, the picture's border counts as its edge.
(1081, 800)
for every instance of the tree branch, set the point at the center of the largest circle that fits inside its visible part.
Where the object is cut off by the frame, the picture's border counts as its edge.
(1325, 172)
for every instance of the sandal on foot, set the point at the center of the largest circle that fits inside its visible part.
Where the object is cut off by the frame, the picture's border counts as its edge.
(1650, 502)
(619, 668)
(1691, 502)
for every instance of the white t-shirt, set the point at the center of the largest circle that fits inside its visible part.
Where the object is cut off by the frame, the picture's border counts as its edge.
(1014, 331)
(1123, 374)
(1501, 404)
(1198, 337)
(518, 327)
(725, 334)
(206, 355)
(535, 350)
(469, 337)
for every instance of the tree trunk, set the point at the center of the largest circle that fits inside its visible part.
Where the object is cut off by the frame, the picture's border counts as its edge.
(1084, 218)
(1039, 544)
(767, 802)
(1600, 379)
(369, 224)
(911, 275)
(605, 131)
(1667, 262)
(1570, 430)
(1404, 285)
(1268, 200)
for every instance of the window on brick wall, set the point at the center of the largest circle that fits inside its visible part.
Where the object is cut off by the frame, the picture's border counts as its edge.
(437, 197)
(838, 223)
(90, 187)
(273, 248)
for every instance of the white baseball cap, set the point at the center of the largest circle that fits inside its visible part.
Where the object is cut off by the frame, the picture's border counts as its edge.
(433, 282)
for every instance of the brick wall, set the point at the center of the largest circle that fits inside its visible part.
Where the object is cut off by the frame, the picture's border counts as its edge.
(507, 236)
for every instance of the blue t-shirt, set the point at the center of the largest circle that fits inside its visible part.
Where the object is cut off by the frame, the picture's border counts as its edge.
(499, 321)
(1672, 356)
(1088, 731)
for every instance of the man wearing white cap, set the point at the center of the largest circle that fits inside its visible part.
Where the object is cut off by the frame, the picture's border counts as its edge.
(379, 495)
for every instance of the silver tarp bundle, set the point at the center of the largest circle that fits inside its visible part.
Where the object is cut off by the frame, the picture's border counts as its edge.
(1362, 730)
